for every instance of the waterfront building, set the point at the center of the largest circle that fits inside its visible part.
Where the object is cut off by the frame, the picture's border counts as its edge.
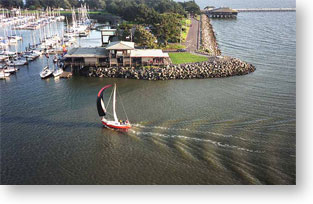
(223, 12)
(119, 53)
(107, 35)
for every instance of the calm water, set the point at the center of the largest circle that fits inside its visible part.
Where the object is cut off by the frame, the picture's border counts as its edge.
(238, 130)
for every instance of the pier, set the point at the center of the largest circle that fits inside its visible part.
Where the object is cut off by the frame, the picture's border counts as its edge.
(266, 10)
(225, 12)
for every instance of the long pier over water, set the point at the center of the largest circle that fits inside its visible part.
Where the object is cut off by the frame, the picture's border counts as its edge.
(266, 9)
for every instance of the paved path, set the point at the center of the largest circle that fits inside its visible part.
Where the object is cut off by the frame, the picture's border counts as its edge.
(192, 37)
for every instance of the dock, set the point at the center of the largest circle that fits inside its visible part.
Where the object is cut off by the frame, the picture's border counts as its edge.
(226, 12)
(266, 10)
(223, 12)
(66, 75)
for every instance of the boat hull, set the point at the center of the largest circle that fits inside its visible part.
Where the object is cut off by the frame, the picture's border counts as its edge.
(45, 75)
(57, 73)
(118, 127)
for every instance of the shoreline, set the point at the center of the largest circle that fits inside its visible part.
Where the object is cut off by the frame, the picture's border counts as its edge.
(208, 43)
(215, 67)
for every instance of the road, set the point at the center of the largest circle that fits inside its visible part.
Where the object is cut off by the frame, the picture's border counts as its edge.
(192, 37)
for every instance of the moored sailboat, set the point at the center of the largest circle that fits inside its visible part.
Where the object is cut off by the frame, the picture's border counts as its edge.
(3, 74)
(46, 72)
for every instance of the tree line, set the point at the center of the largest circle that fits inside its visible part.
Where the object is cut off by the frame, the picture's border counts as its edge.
(163, 17)
(114, 6)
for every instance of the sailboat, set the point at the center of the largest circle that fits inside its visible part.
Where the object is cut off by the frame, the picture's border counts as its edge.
(102, 111)
(46, 72)
(3, 74)
(57, 70)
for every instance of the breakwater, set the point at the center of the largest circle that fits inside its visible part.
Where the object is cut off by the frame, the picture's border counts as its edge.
(208, 39)
(215, 67)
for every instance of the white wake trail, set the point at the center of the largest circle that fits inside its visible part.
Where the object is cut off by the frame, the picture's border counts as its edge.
(218, 144)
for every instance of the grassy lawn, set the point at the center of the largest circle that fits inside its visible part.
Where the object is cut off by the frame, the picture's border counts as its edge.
(173, 46)
(186, 23)
(186, 57)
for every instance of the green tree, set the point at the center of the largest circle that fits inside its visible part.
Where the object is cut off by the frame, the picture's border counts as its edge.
(124, 31)
(33, 4)
(12, 3)
(96, 4)
(168, 28)
(191, 7)
(143, 37)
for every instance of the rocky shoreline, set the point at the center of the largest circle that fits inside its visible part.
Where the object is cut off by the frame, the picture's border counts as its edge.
(208, 40)
(215, 67)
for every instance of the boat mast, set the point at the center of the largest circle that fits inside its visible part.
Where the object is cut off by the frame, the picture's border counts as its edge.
(114, 103)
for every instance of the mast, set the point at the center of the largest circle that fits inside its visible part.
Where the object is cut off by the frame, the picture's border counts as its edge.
(114, 104)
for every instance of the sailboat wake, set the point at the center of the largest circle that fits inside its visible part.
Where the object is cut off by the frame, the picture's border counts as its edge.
(193, 131)
(195, 139)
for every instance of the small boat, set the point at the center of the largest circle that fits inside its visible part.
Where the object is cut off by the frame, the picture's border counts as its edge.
(102, 111)
(46, 72)
(16, 37)
(38, 52)
(17, 62)
(10, 70)
(30, 55)
(3, 57)
(12, 41)
(3, 75)
(57, 72)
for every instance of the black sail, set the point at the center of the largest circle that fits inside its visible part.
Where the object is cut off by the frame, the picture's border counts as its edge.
(100, 104)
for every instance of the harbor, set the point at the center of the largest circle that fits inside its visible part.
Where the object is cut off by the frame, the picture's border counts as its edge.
(47, 37)
(230, 119)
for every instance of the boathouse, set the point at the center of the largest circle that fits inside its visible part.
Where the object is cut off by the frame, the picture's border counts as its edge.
(119, 53)
(223, 12)
(86, 56)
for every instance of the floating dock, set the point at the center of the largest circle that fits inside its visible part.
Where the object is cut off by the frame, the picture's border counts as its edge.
(66, 75)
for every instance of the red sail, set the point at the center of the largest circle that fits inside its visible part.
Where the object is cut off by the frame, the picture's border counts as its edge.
(100, 104)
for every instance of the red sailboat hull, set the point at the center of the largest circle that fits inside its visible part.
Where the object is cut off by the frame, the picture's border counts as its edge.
(123, 127)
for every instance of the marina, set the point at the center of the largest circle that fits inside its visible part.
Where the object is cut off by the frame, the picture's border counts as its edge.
(45, 37)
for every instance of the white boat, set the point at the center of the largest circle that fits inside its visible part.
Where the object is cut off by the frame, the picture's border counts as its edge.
(17, 37)
(12, 41)
(10, 70)
(4, 45)
(102, 111)
(8, 53)
(3, 75)
(57, 72)
(38, 52)
(45, 73)
(3, 57)
(17, 62)
(30, 55)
